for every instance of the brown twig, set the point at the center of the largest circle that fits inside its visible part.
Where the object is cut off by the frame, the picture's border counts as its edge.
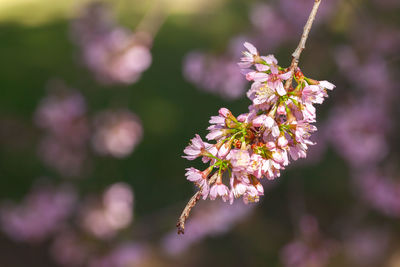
(302, 44)
(192, 202)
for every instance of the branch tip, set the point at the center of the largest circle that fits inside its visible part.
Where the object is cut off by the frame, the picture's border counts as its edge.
(302, 44)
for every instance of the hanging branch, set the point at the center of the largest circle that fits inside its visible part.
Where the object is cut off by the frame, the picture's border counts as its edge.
(254, 54)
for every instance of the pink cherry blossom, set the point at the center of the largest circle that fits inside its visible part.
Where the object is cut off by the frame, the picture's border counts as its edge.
(261, 93)
(239, 159)
(248, 56)
(313, 94)
(274, 79)
(258, 166)
(238, 188)
(195, 175)
(219, 190)
(326, 85)
(282, 141)
(266, 121)
(197, 148)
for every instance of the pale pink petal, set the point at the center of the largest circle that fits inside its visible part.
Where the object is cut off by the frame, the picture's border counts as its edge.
(224, 112)
(285, 76)
(244, 65)
(224, 150)
(260, 77)
(216, 134)
(251, 48)
(270, 59)
(269, 122)
(327, 85)
(262, 67)
(259, 121)
(280, 89)
(275, 131)
(190, 151)
(197, 142)
(274, 69)
(217, 120)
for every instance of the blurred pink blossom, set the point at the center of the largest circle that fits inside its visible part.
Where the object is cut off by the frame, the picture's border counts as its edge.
(309, 249)
(378, 85)
(296, 12)
(66, 159)
(219, 75)
(268, 22)
(112, 53)
(357, 132)
(61, 111)
(117, 132)
(281, 23)
(62, 115)
(114, 212)
(379, 190)
(41, 213)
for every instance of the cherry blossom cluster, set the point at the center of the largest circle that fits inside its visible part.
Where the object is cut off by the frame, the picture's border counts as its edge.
(260, 143)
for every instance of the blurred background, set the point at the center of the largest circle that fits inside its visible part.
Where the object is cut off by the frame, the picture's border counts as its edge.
(99, 99)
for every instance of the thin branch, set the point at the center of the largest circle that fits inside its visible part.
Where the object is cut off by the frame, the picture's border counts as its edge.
(192, 202)
(302, 44)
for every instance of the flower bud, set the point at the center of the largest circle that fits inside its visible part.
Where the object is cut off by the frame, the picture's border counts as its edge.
(298, 74)
(224, 112)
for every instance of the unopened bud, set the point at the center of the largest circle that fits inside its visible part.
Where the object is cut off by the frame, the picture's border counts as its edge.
(224, 112)
(298, 74)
